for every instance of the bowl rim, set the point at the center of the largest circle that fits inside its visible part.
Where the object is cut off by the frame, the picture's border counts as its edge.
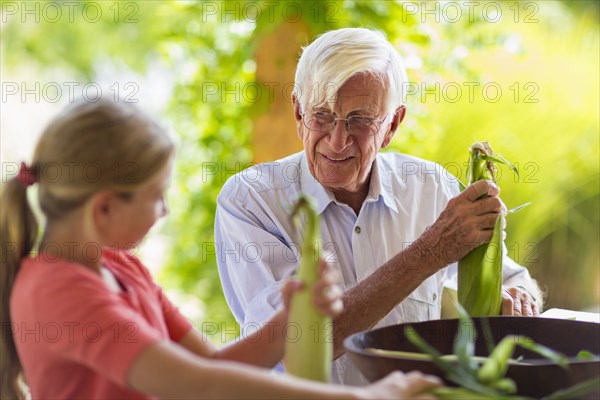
(351, 347)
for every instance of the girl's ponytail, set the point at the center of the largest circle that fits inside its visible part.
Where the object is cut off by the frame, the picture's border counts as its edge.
(18, 230)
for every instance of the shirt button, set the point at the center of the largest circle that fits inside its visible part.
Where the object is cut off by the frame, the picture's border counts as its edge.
(357, 229)
(434, 297)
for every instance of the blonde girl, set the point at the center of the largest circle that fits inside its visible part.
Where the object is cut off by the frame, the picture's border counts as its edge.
(81, 316)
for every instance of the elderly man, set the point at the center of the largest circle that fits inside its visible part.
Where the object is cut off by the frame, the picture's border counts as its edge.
(392, 225)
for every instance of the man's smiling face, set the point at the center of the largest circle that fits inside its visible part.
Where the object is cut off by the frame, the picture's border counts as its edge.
(341, 161)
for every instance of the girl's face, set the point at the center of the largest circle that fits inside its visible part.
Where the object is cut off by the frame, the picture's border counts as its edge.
(132, 218)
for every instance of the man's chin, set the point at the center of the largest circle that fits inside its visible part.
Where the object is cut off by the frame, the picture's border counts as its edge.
(334, 184)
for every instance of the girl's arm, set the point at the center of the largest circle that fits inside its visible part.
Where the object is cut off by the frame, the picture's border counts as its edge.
(265, 347)
(167, 370)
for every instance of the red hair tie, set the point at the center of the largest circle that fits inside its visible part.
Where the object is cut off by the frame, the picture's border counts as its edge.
(27, 175)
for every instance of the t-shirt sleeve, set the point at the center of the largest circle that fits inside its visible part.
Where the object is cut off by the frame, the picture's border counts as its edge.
(86, 323)
(177, 325)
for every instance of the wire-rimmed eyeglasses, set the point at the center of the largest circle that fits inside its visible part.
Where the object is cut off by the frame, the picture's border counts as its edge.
(324, 122)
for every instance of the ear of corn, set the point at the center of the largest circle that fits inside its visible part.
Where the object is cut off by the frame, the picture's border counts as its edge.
(309, 347)
(480, 277)
(480, 271)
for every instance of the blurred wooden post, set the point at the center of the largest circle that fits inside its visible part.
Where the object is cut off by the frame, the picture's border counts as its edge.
(276, 57)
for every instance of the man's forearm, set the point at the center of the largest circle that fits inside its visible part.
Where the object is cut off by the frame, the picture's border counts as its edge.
(374, 297)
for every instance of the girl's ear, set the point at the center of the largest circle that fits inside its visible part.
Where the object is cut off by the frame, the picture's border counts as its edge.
(103, 207)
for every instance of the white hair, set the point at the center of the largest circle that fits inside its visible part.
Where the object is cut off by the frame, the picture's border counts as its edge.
(336, 56)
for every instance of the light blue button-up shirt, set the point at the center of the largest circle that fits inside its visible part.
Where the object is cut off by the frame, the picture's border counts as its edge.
(257, 243)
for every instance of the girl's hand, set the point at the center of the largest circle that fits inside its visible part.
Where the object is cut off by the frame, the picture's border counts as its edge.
(398, 385)
(326, 294)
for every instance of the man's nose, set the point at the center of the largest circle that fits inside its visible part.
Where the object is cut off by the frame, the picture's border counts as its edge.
(339, 137)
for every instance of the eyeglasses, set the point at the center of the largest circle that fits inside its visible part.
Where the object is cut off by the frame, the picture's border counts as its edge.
(357, 125)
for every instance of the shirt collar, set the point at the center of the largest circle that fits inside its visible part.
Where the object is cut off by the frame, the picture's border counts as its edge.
(310, 186)
(380, 185)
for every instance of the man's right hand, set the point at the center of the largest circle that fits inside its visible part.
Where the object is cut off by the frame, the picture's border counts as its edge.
(466, 222)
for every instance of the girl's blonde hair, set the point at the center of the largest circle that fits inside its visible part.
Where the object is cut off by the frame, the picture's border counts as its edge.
(87, 148)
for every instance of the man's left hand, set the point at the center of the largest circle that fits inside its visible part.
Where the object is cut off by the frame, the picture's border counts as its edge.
(518, 301)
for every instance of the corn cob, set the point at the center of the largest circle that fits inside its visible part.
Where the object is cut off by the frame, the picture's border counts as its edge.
(480, 271)
(309, 349)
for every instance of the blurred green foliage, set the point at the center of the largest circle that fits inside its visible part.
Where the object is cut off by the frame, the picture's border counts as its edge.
(544, 59)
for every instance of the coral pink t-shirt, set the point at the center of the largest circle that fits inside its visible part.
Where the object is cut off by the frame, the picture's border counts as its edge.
(76, 338)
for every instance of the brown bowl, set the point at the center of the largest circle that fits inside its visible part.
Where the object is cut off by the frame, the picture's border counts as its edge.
(538, 378)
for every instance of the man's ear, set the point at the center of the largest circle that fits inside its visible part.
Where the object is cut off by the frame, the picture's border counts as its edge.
(298, 116)
(396, 121)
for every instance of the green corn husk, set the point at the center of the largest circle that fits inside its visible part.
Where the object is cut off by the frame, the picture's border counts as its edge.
(309, 347)
(421, 356)
(480, 271)
(496, 365)
(459, 393)
(488, 381)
